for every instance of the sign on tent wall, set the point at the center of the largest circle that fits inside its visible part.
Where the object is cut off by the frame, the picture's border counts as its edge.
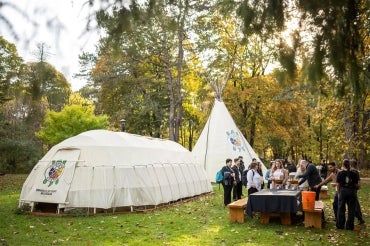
(53, 178)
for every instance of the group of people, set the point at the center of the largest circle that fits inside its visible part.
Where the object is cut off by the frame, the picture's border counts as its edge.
(236, 175)
(346, 181)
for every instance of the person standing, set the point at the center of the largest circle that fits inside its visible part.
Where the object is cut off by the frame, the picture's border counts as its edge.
(238, 186)
(347, 182)
(291, 167)
(254, 179)
(323, 169)
(242, 167)
(279, 173)
(260, 172)
(300, 170)
(228, 180)
(311, 174)
(333, 178)
(268, 175)
(358, 212)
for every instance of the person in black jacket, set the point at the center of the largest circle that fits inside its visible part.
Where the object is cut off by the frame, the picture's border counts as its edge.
(238, 186)
(242, 166)
(291, 167)
(347, 183)
(259, 170)
(312, 176)
(228, 181)
(324, 169)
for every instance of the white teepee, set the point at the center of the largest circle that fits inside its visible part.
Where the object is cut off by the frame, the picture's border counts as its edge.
(221, 139)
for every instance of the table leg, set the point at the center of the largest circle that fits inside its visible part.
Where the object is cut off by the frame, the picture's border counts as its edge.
(284, 217)
(265, 218)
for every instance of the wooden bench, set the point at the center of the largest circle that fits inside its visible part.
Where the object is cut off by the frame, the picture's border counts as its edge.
(324, 192)
(236, 210)
(313, 218)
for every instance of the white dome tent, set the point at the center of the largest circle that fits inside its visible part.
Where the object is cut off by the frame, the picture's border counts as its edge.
(101, 169)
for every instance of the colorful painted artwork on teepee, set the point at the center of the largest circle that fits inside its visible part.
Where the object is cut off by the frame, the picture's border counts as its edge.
(236, 140)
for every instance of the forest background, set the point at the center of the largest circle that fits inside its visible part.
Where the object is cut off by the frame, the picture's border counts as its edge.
(294, 75)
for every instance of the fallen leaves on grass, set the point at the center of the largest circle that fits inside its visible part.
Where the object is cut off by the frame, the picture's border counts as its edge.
(57, 241)
(279, 232)
(333, 238)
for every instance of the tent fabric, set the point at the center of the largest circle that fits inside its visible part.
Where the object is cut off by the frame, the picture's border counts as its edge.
(221, 139)
(105, 169)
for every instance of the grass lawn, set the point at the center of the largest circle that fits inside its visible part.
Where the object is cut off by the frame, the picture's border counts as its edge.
(203, 221)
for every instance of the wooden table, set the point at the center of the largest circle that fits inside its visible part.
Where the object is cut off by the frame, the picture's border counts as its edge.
(271, 202)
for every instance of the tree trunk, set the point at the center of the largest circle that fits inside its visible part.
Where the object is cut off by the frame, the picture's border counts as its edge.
(172, 103)
(363, 140)
(170, 85)
(180, 57)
